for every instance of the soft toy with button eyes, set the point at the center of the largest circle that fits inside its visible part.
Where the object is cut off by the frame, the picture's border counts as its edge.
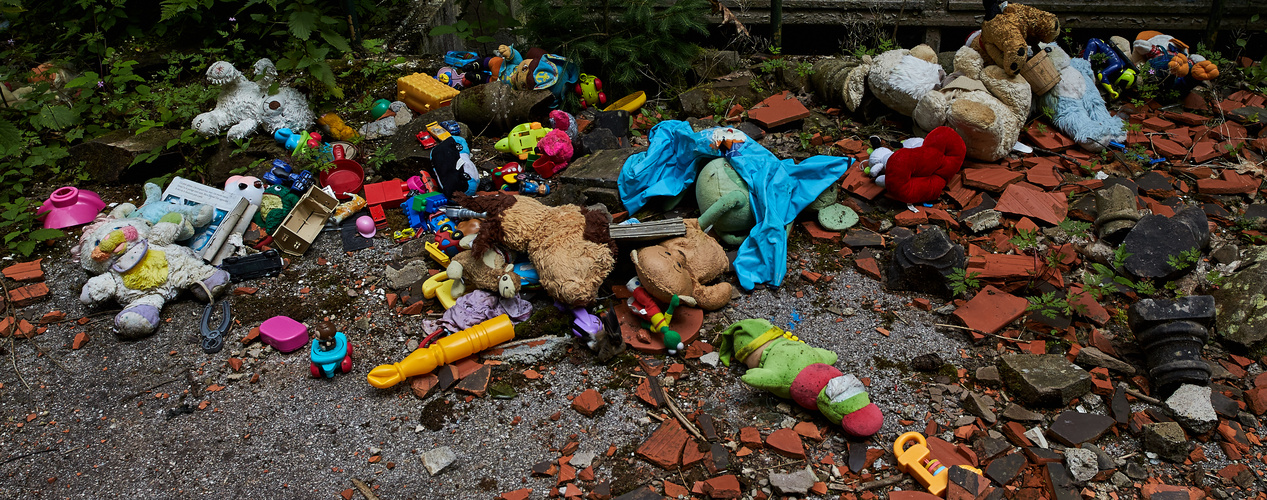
(681, 266)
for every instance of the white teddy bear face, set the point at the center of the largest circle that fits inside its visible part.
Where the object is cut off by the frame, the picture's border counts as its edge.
(94, 233)
(247, 187)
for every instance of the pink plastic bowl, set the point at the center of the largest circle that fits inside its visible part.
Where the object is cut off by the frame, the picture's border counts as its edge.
(69, 206)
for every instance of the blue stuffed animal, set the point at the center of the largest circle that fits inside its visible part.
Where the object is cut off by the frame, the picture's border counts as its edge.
(1079, 111)
(195, 215)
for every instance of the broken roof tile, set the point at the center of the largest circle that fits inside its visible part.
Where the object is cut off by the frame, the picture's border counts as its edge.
(1023, 199)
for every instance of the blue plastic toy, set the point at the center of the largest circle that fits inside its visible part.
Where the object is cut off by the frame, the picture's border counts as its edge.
(301, 181)
(1113, 71)
(436, 203)
(331, 353)
(279, 175)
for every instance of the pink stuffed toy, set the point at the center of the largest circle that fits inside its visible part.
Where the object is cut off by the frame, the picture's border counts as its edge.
(556, 150)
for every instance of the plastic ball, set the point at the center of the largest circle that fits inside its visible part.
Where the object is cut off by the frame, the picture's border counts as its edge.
(380, 106)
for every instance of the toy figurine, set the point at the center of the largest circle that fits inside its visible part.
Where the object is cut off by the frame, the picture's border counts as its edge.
(644, 306)
(1113, 71)
(918, 461)
(451, 77)
(534, 187)
(591, 90)
(331, 353)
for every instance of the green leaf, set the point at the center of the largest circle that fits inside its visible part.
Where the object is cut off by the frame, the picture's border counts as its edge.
(301, 24)
(45, 234)
(26, 247)
(10, 137)
(443, 29)
(337, 41)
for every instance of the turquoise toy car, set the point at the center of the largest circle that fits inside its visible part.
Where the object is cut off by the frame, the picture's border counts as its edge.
(337, 359)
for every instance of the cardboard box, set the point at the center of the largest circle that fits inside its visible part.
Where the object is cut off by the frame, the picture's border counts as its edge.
(305, 222)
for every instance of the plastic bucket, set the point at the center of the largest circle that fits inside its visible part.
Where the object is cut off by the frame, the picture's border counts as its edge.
(347, 176)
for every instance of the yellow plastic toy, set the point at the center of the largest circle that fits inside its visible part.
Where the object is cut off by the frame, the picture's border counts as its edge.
(522, 140)
(423, 93)
(439, 286)
(338, 129)
(631, 103)
(447, 350)
(918, 461)
(438, 255)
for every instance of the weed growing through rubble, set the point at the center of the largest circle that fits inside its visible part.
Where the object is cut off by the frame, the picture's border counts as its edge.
(1076, 229)
(1050, 305)
(1134, 127)
(805, 138)
(1025, 240)
(1185, 258)
(961, 281)
(1215, 278)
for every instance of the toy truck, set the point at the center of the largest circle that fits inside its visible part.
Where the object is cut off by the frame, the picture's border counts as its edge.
(522, 141)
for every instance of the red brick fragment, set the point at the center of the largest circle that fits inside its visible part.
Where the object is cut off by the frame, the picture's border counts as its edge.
(28, 295)
(588, 402)
(991, 309)
(786, 442)
(25, 271)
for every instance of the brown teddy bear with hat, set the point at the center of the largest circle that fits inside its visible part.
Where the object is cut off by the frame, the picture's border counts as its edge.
(1005, 38)
(681, 266)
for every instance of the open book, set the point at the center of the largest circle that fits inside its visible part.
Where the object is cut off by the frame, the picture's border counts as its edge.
(232, 216)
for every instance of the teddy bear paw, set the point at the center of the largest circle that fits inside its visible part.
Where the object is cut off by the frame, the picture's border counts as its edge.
(215, 283)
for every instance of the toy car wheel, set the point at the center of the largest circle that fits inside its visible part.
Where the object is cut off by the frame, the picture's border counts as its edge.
(602, 98)
(578, 88)
(316, 372)
(584, 105)
(598, 84)
(346, 365)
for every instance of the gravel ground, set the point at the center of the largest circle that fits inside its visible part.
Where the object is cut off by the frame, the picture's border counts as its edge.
(152, 420)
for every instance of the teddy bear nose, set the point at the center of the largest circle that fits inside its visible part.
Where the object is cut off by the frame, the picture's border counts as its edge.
(1013, 66)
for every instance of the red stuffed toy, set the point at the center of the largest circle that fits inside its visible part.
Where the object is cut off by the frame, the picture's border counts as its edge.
(919, 172)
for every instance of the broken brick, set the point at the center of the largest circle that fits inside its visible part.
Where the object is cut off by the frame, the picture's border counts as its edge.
(588, 402)
(422, 385)
(476, 384)
(1026, 200)
(28, 295)
(664, 447)
(990, 179)
(81, 338)
(750, 437)
(786, 442)
(869, 267)
(778, 109)
(991, 309)
(25, 271)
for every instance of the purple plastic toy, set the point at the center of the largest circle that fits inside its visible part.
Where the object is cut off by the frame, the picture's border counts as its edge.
(283, 333)
(69, 206)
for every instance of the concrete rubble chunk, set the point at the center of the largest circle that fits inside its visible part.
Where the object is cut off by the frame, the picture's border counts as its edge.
(1242, 304)
(1191, 406)
(794, 483)
(437, 459)
(1073, 428)
(1021, 414)
(1082, 464)
(979, 405)
(1047, 380)
(1167, 440)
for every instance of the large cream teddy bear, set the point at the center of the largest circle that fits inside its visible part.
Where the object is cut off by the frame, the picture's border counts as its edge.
(1077, 107)
(140, 267)
(897, 77)
(982, 103)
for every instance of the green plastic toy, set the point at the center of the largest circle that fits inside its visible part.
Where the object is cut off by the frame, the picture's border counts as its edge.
(522, 140)
(724, 200)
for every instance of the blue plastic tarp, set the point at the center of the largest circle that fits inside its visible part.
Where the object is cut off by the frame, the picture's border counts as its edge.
(778, 189)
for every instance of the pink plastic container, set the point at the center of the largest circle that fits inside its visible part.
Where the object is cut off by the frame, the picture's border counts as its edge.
(69, 206)
(283, 333)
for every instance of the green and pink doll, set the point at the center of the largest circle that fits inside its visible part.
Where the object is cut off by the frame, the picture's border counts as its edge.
(787, 367)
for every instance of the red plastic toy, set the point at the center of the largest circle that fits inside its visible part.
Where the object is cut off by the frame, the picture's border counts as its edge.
(393, 191)
(426, 140)
(379, 216)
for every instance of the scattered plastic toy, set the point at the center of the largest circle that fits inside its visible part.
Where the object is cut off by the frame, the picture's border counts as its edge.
(213, 337)
(918, 461)
(251, 188)
(522, 140)
(590, 88)
(644, 306)
(1113, 70)
(426, 140)
(249, 267)
(451, 348)
(331, 353)
(69, 206)
(365, 226)
(283, 333)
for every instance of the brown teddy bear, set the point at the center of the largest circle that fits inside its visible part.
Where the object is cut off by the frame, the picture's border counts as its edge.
(489, 272)
(569, 245)
(680, 266)
(1005, 39)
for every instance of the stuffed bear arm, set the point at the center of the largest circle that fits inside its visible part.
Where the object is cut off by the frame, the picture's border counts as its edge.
(711, 297)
